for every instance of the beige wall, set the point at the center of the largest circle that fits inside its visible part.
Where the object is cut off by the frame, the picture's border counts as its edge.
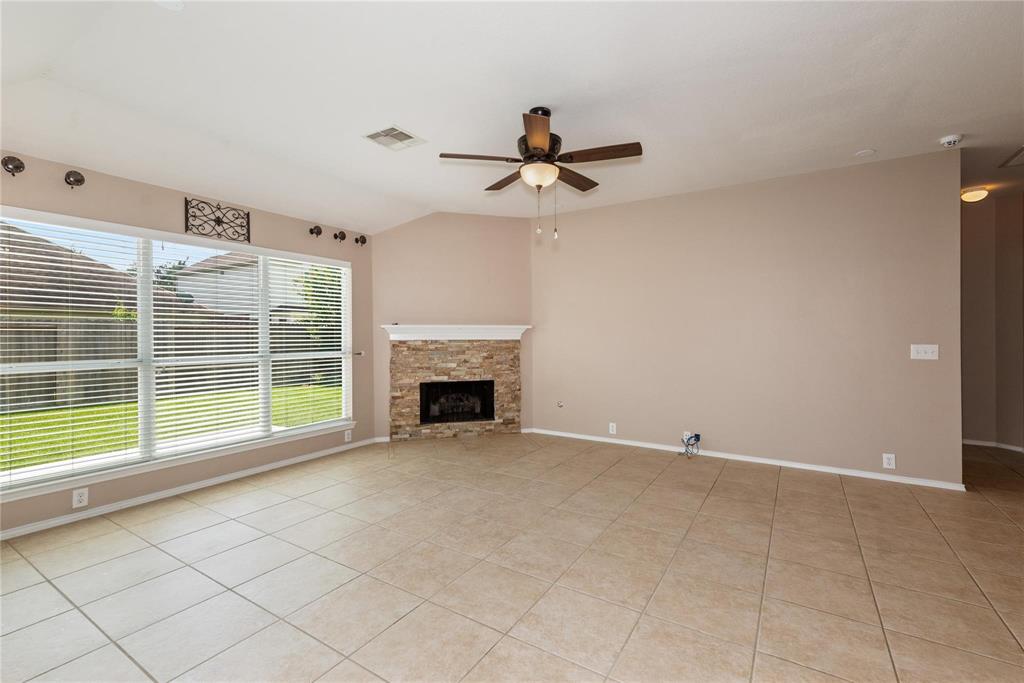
(993, 319)
(41, 187)
(978, 316)
(774, 318)
(37, 508)
(1009, 286)
(449, 268)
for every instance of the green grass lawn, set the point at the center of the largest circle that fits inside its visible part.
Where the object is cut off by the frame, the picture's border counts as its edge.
(36, 436)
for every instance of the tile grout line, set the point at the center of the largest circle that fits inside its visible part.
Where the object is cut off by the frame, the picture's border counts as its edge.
(277, 619)
(226, 589)
(314, 552)
(76, 608)
(367, 573)
(668, 565)
(871, 586)
(764, 579)
(974, 580)
(428, 600)
(959, 649)
(490, 469)
(552, 583)
(1016, 475)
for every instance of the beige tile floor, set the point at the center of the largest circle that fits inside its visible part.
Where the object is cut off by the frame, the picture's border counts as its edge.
(527, 558)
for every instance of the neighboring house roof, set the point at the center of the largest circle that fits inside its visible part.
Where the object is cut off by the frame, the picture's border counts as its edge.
(290, 308)
(234, 259)
(30, 282)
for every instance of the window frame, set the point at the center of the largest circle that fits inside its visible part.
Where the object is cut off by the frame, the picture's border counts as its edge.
(151, 457)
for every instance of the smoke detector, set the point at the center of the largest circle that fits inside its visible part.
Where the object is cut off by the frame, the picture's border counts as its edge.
(951, 141)
(394, 138)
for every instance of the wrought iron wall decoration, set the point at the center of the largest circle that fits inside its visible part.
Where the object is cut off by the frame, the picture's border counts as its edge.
(214, 220)
(74, 179)
(340, 235)
(316, 231)
(361, 240)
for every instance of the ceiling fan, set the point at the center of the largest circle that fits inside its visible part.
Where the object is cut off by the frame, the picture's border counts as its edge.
(539, 149)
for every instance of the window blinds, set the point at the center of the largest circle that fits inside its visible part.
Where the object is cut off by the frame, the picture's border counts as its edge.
(115, 348)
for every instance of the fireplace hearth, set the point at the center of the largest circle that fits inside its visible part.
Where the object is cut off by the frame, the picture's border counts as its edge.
(456, 401)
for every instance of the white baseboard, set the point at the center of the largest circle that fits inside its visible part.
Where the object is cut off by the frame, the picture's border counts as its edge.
(934, 483)
(178, 490)
(993, 444)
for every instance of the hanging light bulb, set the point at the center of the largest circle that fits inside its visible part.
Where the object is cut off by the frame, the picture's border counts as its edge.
(556, 232)
(539, 231)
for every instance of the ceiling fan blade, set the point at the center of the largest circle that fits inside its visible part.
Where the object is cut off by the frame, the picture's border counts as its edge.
(628, 149)
(504, 182)
(481, 157)
(538, 131)
(574, 179)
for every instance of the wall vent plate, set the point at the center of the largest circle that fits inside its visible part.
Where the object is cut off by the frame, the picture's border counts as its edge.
(1016, 160)
(394, 138)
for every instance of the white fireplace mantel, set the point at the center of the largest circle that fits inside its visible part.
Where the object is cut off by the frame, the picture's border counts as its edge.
(446, 332)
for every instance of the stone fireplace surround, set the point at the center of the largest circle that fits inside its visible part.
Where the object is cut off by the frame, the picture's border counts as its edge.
(437, 353)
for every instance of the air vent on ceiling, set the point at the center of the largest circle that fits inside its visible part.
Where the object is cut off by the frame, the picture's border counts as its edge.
(1016, 159)
(395, 138)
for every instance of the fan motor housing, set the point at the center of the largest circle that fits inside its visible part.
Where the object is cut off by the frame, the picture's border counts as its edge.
(554, 147)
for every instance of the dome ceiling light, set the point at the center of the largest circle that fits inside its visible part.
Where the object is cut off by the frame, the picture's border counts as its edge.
(973, 194)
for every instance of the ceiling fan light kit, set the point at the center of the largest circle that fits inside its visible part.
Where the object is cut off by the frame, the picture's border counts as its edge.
(538, 173)
(540, 153)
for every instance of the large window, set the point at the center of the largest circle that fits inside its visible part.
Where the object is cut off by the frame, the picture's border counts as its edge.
(116, 348)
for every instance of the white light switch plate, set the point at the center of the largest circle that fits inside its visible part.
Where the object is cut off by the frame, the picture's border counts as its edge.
(924, 351)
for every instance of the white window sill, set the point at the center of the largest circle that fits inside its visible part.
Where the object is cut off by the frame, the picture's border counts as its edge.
(58, 482)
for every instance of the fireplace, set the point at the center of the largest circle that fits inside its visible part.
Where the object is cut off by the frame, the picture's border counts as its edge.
(452, 356)
(458, 401)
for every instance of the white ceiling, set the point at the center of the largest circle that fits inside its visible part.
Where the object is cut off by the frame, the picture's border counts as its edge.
(265, 104)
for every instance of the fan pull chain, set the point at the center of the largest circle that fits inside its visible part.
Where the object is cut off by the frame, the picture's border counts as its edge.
(539, 231)
(554, 196)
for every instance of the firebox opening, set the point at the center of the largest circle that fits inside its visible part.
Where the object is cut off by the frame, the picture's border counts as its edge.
(462, 401)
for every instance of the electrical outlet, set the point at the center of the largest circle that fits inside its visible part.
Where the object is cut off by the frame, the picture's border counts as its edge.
(889, 461)
(686, 436)
(79, 498)
(348, 435)
(611, 427)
